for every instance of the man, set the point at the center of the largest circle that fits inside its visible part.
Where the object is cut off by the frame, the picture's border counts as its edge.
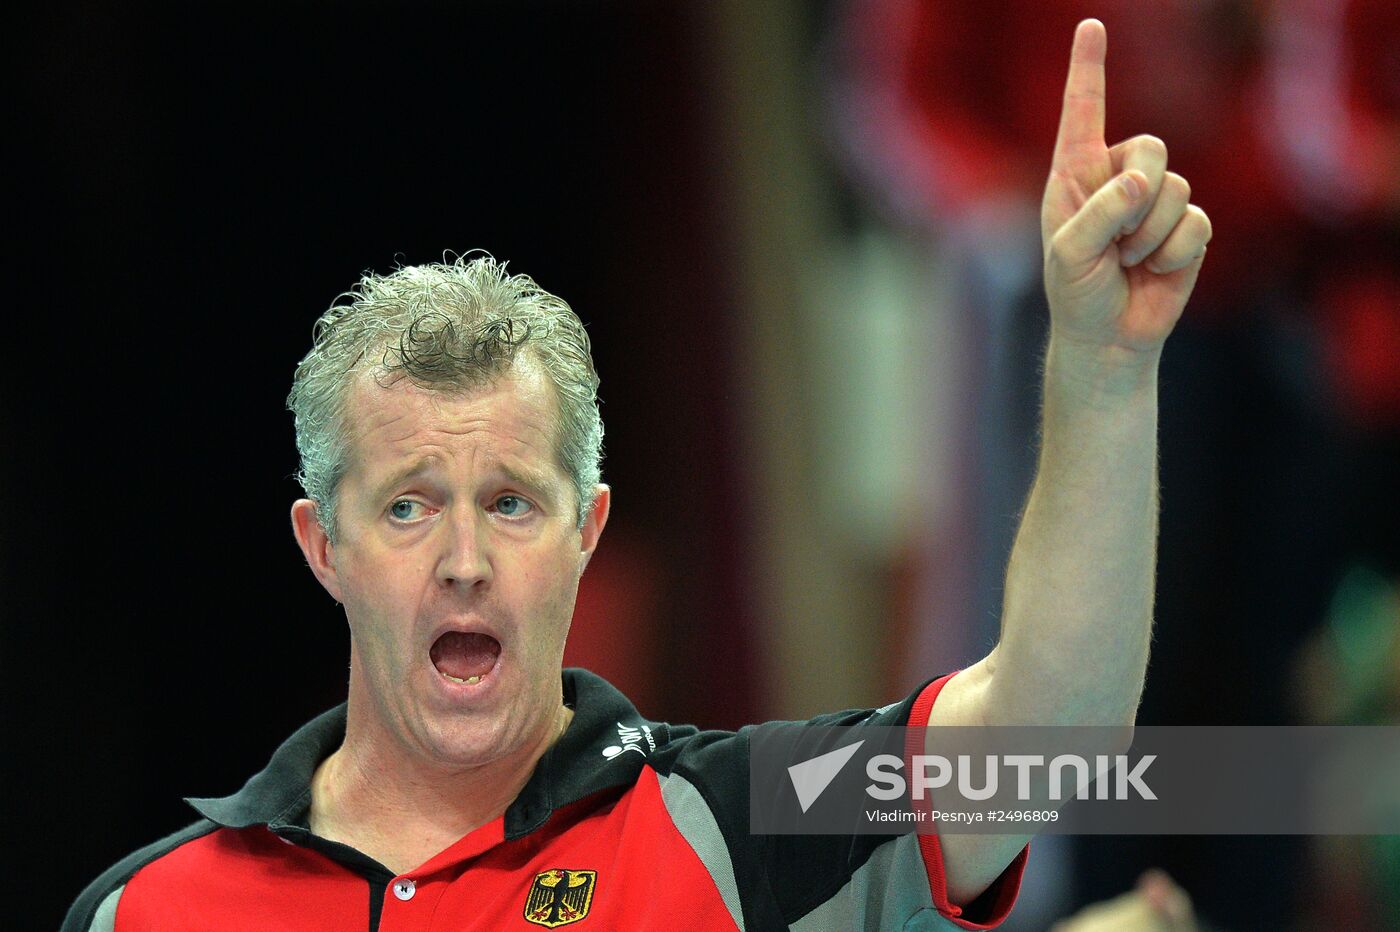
(449, 435)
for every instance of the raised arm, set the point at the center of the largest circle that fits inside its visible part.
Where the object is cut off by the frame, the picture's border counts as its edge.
(1122, 249)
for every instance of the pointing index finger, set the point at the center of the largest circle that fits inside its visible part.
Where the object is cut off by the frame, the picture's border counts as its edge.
(1082, 117)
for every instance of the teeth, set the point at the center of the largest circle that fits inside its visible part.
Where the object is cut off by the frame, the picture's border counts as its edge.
(469, 681)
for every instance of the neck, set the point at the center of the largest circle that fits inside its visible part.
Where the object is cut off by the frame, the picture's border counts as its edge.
(402, 810)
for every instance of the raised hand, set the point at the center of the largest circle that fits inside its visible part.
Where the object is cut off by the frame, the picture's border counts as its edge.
(1123, 245)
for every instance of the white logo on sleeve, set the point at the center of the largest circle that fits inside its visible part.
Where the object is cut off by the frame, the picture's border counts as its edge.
(811, 777)
(632, 739)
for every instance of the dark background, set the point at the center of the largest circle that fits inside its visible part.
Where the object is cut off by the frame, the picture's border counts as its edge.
(197, 184)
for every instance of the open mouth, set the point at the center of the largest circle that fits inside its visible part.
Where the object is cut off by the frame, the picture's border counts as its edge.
(465, 658)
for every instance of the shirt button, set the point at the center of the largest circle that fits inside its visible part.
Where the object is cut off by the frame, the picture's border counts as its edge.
(404, 889)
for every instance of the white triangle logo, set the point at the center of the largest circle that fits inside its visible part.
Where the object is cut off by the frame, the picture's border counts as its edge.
(810, 778)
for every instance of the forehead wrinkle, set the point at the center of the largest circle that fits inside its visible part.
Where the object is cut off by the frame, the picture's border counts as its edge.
(426, 451)
(419, 466)
(427, 417)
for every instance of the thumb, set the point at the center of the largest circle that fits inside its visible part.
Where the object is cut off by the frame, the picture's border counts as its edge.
(1085, 236)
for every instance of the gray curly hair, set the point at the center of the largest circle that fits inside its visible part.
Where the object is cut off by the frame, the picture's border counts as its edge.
(448, 327)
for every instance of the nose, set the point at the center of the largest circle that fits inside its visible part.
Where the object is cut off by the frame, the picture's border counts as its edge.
(465, 558)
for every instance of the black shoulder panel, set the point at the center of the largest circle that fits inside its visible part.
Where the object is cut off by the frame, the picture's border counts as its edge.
(80, 914)
(780, 877)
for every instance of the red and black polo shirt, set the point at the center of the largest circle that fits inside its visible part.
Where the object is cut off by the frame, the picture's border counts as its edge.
(625, 824)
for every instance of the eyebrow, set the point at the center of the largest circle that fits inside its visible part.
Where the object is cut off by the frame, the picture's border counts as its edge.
(414, 469)
(425, 464)
(527, 477)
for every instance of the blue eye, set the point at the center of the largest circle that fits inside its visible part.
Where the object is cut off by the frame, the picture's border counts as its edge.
(403, 509)
(513, 506)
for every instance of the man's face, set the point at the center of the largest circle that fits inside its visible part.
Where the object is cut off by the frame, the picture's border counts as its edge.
(458, 564)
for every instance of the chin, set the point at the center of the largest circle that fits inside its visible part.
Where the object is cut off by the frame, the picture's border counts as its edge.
(460, 744)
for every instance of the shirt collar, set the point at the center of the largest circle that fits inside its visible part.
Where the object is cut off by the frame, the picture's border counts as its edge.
(280, 794)
(574, 766)
(578, 764)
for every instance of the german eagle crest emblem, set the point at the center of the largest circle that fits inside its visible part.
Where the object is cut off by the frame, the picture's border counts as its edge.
(558, 897)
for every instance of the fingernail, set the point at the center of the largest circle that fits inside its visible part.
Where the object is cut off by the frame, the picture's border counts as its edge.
(1130, 187)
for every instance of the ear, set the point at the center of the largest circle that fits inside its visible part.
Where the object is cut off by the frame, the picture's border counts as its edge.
(315, 545)
(593, 525)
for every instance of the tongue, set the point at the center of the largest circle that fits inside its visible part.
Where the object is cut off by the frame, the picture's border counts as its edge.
(465, 655)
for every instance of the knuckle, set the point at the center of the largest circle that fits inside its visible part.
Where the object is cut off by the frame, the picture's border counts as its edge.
(1178, 185)
(1147, 145)
(1152, 144)
(1201, 220)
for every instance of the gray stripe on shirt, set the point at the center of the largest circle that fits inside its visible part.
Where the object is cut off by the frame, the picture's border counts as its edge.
(697, 825)
(105, 918)
(889, 891)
